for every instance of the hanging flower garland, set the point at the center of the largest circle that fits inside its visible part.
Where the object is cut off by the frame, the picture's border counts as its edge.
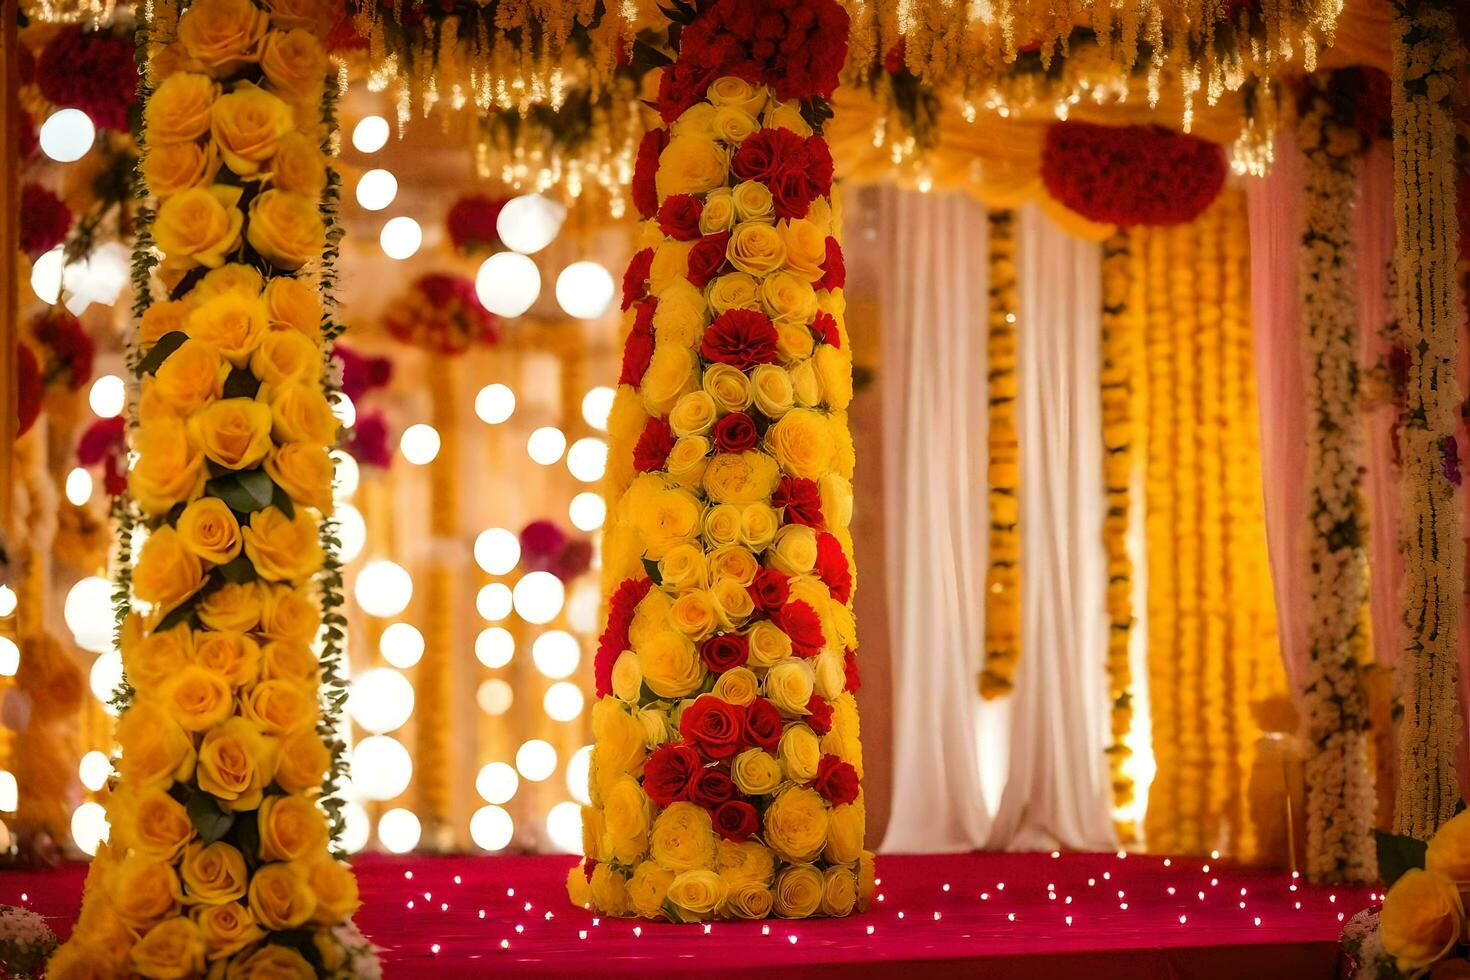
(221, 813)
(726, 771)
(1339, 781)
(1003, 572)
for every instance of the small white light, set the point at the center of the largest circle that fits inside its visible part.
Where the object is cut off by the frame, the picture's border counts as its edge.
(8, 601)
(579, 768)
(380, 700)
(530, 222)
(494, 602)
(564, 827)
(67, 135)
(539, 597)
(108, 396)
(89, 827)
(88, 614)
(587, 459)
(9, 791)
(420, 444)
(78, 486)
(587, 511)
(494, 647)
(495, 403)
(556, 653)
(399, 830)
(597, 405)
(346, 476)
(508, 283)
(584, 290)
(370, 134)
(94, 769)
(351, 531)
(497, 782)
(46, 276)
(563, 701)
(383, 589)
(536, 759)
(402, 645)
(497, 550)
(546, 445)
(494, 696)
(491, 828)
(401, 237)
(104, 677)
(381, 768)
(356, 827)
(9, 657)
(376, 189)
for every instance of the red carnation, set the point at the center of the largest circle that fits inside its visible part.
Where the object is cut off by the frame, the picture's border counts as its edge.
(799, 621)
(614, 639)
(801, 498)
(710, 788)
(834, 268)
(645, 193)
(802, 179)
(670, 772)
(44, 220)
(706, 258)
(735, 433)
(763, 724)
(69, 348)
(715, 726)
(654, 446)
(472, 222)
(837, 781)
(29, 389)
(367, 441)
(767, 153)
(92, 71)
(819, 714)
(824, 328)
(770, 589)
(797, 48)
(833, 567)
(741, 338)
(105, 441)
(638, 348)
(735, 820)
(1131, 175)
(725, 651)
(635, 280)
(850, 669)
(678, 217)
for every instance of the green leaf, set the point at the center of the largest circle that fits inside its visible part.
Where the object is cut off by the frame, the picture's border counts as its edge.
(647, 57)
(281, 500)
(240, 570)
(258, 485)
(651, 567)
(160, 351)
(1397, 854)
(247, 838)
(208, 819)
(241, 384)
(245, 492)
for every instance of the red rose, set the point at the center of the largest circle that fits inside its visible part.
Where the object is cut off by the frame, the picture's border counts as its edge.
(802, 500)
(725, 651)
(644, 192)
(635, 280)
(837, 781)
(684, 83)
(770, 589)
(799, 621)
(654, 446)
(638, 348)
(44, 220)
(850, 668)
(834, 268)
(766, 153)
(763, 724)
(824, 328)
(706, 258)
(710, 788)
(819, 714)
(796, 48)
(735, 433)
(735, 820)
(715, 726)
(678, 216)
(29, 389)
(741, 338)
(833, 567)
(670, 773)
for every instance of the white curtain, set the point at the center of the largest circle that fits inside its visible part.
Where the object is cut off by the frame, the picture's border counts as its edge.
(1058, 789)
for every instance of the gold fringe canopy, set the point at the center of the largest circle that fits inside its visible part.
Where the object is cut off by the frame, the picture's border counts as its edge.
(1003, 573)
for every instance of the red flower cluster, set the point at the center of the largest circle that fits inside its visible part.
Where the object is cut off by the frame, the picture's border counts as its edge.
(441, 313)
(635, 279)
(1131, 175)
(471, 222)
(614, 639)
(797, 47)
(368, 442)
(361, 374)
(796, 169)
(678, 216)
(833, 568)
(69, 348)
(105, 441)
(91, 71)
(654, 446)
(834, 269)
(741, 338)
(837, 781)
(800, 621)
(545, 547)
(44, 220)
(638, 348)
(802, 500)
(29, 389)
(644, 191)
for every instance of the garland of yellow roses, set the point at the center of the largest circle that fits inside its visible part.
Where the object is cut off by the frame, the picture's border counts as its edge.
(1003, 573)
(1339, 782)
(725, 777)
(1427, 54)
(220, 826)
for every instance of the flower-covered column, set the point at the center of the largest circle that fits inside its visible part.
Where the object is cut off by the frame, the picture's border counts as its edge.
(220, 812)
(725, 777)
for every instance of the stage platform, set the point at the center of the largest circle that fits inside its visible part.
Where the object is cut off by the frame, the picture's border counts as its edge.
(940, 916)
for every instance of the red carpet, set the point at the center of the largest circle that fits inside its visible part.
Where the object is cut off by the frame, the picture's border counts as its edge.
(1199, 931)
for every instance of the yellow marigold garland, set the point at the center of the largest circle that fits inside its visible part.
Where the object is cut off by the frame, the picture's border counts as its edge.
(1003, 573)
(219, 815)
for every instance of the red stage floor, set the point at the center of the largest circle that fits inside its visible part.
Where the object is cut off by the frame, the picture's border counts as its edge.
(996, 915)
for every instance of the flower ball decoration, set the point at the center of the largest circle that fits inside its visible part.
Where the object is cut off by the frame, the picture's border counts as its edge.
(441, 313)
(90, 70)
(1131, 175)
(472, 223)
(726, 774)
(545, 547)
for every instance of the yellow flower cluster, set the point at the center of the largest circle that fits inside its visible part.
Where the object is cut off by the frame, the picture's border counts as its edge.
(218, 836)
(1003, 573)
(726, 763)
(1423, 915)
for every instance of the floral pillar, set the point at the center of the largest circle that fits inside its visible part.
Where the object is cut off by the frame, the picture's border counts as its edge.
(221, 814)
(725, 774)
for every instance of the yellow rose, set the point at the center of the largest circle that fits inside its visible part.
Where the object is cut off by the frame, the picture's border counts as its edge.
(627, 814)
(681, 315)
(721, 525)
(670, 266)
(831, 674)
(1448, 853)
(794, 345)
(799, 890)
(172, 167)
(733, 603)
(233, 321)
(696, 894)
(747, 861)
(756, 248)
(236, 763)
(304, 471)
(84, 958)
(741, 478)
(738, 93)
(151, 660)
(806, 250)
(232, 277)
(627, 678)
(280, 897)
(295, 63)
(198, 698)
(672, 517)
(222, 35)
(691, 164)
(790, 684)
(213, 874)
(836, 494)
(198, 226)
(800, 753)
(824, 215)
(728, 387)
(796, 824)
(315, 16)
(609, 890)
(178, 111)
(670, 667)
(143, 890)
(207, 527)
(620, 743)
(647, 889)
(650, 616)
(768, 644)
(335, 887)
(233, 656)
(286, 228)
(579, 889)
(839, 891)
(151, 821)
(802, 442)
(189, 377)
(655, 722)
(756, 772)
(753, 202)
(283, 549)
(279, 706)
(834, 372)
(842, 741)
(758, 526)
(291, 828)
(162, 317)
(697, 121)
(733, 291)
(772, 389)
(272, 962)
(286, 356)
(303, 761)
(786, 115)
(226, 929)
(748, 900)
(173, 948)
(300, 413)
(233, 432)
(794, 551)
(738, 685)
(843, 456)
(672, 371)
(299, 166)
(845, 830)
(683, 838)
(695, 615)
(1422, 919)
(166, 573)
(293, 305)
(246, 125)
(156, 751)
(693, 414)
(790, 301)
(688, 460)
(733, 562)
(733, 125)
(286, 614)
(719, 212)
(844, 623)
(683, 568)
